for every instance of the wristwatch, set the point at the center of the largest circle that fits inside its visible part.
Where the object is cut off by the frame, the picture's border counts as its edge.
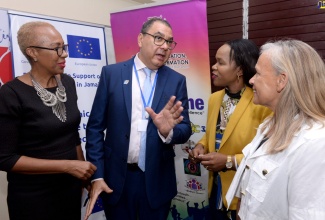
(229, 162)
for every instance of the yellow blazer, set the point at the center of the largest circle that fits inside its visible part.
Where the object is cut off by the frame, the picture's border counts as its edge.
(240, 130)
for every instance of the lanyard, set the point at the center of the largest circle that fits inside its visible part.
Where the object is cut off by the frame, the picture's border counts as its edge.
(145, 104)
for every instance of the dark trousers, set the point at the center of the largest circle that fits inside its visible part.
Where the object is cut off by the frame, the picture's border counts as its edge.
(219, 214)
(134, 204)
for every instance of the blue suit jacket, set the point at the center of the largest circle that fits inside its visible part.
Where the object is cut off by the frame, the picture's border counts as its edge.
(111, 111)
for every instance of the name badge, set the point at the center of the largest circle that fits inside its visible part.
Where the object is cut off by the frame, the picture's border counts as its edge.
(143, 123)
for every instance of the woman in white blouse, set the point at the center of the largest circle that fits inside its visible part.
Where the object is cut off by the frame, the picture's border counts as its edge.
(282, 175)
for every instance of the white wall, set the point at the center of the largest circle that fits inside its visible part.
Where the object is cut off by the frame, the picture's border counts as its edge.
(3, 197)
(92, 11)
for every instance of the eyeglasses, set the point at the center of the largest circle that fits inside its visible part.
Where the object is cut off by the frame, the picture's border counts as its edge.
(59, 50)
(159, 41)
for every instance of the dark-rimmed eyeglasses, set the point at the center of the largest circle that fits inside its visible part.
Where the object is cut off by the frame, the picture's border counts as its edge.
(159, 41)
(59, 50)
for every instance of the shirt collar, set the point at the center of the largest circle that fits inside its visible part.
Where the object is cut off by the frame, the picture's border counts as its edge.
(139, 64)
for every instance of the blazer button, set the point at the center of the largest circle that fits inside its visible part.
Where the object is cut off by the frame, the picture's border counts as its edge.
(127, 137)
(264, 172)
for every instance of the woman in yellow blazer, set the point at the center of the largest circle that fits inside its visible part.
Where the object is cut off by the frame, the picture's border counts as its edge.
(231, 124)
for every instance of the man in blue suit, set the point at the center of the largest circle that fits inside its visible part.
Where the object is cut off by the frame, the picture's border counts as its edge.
(137, 180)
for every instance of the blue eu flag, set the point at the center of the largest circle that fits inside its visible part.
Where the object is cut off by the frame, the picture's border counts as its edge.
(83, 47)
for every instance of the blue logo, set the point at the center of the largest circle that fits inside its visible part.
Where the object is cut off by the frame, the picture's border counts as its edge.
(83, 47)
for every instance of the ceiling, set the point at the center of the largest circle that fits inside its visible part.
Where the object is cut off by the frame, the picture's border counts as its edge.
(143, 1)
(153, 1)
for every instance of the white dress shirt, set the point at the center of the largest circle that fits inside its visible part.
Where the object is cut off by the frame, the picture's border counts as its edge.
(137, 108)
(289, 185)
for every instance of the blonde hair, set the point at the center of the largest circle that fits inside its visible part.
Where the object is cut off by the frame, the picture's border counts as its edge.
(303, 98)
(27, 36)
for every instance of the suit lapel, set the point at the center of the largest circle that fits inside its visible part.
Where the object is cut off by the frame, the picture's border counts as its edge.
(251, 152)
(237, 114)
(126, 75)
(160, 85)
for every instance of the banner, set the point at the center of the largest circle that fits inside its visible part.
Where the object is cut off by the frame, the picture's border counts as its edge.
(190, 58)
(5, 76)
(5, 53)
(87, 55)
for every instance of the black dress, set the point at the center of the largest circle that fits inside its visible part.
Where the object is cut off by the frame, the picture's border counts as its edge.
(29, 128)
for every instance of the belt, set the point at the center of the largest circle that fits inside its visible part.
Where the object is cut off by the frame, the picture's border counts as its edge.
(133, 166)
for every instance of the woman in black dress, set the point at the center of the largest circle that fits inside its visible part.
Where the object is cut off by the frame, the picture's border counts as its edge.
(40, 146)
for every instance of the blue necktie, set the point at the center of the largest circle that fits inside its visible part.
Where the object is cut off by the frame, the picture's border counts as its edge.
(147, 87)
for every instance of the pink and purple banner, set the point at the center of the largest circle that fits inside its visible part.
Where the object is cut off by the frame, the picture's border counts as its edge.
(190, 58)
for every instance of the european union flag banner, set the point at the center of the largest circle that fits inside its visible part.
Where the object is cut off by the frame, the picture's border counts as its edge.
(83, 47)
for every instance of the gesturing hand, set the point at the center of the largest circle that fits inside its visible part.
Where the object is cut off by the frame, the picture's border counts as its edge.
(168, 117)
(97, 187)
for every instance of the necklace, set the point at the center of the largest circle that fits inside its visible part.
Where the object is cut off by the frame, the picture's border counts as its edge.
(49, 99)
(226, 110)
(232, 100)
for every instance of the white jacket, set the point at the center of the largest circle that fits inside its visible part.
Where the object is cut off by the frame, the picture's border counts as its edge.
(286, 185)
